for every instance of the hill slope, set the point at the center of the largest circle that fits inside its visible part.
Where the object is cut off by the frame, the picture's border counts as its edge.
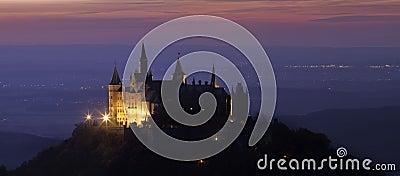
(98, 151)
(18, 147)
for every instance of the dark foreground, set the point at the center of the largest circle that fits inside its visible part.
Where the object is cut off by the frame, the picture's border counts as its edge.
(98, 151)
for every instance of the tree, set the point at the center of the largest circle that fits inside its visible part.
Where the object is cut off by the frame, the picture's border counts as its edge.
(3, 170)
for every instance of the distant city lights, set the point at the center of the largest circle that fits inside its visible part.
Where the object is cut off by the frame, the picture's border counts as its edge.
(384, 66)
(334, 66)
(319, 66)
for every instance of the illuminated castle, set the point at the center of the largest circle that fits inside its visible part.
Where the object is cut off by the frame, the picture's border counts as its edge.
(143, 99)
(115, 103)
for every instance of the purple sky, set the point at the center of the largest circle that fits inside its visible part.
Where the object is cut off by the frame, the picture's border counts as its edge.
(275, 22)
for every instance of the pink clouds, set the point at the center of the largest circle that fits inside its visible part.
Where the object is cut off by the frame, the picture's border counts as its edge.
(123, 21)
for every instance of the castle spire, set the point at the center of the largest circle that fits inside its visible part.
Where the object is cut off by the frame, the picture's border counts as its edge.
(178, 73)
(213, 82)
(143, 55)
(149, 75)
(143, 61)
(115, 80)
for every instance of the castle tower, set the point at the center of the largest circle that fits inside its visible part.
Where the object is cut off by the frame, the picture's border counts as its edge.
(136, 78)
(238, 97)
(115, 102)
(178, 74)
(143, 61)
(213, 81)
(149, 76)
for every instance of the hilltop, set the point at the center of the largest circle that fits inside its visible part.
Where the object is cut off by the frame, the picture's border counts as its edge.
(100, 151)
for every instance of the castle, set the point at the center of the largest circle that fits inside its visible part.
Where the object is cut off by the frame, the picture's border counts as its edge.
(143, 99)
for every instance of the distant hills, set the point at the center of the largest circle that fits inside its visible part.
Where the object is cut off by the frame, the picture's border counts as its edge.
(16, 147)
(366, 132)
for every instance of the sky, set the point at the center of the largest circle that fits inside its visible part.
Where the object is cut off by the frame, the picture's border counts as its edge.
(338, 23)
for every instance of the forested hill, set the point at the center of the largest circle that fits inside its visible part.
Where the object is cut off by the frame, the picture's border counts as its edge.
(100, 152)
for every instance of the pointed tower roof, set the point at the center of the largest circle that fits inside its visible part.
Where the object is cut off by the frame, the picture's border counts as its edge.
(143, 54)
(178, 69)
(213, 81)
(213, 69)
(115, 80)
